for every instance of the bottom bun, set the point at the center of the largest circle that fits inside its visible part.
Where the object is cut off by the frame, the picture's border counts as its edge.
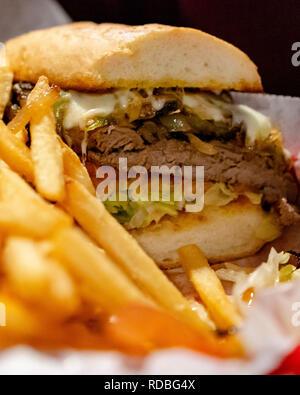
(223, 233)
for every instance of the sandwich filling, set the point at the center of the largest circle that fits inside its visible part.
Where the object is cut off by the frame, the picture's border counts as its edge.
(242, 155)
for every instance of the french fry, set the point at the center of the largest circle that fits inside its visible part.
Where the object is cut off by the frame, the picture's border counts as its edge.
(75, 169)
(52, 271)
(72, 334)
(15, 153)
(23, 136)
(38, 103)
(241, 269)
(135, 335)
(23, 212)
(209, 288)
(91, 214)
(6, 80)
(47, 158)
(3, 57)
(99, 279)
(19, 322)
(38, 279)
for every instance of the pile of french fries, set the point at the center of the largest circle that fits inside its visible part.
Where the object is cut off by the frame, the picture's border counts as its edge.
(70, 274)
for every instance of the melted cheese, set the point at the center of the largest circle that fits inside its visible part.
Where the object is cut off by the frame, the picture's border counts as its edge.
(157, 103)
(203, 107)
(84, 106)
(258, 126)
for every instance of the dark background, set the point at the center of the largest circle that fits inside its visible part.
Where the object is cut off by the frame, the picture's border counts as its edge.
(264, 29)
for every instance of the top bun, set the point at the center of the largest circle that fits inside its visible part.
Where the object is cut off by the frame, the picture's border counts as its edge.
(90, 57)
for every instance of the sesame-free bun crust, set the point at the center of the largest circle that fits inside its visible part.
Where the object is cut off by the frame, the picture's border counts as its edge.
(223, 233)
(86, 56)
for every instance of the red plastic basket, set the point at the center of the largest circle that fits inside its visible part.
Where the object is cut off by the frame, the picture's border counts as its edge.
(291, 365)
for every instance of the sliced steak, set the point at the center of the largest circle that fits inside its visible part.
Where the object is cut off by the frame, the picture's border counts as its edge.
(288, 213)
(249, 169)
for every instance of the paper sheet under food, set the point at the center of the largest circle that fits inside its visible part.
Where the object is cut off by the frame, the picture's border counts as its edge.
(271, 329)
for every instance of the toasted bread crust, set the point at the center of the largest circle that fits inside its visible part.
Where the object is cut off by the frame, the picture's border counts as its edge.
(90, 57)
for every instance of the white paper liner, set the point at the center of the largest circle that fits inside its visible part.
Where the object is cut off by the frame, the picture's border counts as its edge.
(268, 334)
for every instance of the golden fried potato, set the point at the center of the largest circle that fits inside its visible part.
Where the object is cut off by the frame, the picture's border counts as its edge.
(23, 212)
(99, 278)
(91, 214)
(38, 279)
(209, 288)
(47, 157)
(15, 153)
(75, 169)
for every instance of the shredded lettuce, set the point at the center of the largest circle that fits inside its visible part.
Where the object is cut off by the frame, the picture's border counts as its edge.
(220, 195)
(255, 198)
(122, 211)
(296, 275)
(138, 214)
(269, 274)
(286, 273)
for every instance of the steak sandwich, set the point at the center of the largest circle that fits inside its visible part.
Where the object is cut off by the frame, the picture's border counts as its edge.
(160, 96)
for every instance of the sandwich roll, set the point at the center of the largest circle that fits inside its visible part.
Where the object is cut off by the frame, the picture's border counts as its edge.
(159, 96)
